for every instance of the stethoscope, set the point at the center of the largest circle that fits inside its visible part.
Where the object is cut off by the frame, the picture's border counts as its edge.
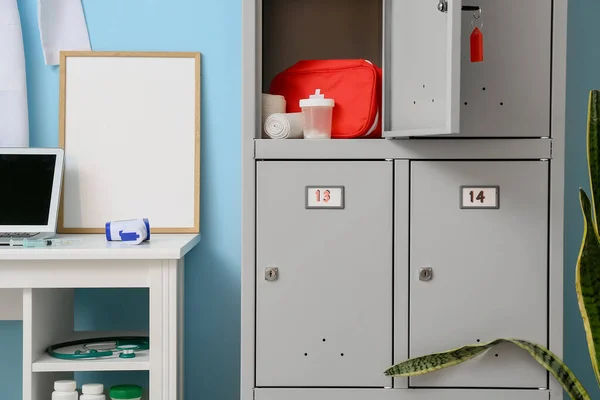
(125, 346)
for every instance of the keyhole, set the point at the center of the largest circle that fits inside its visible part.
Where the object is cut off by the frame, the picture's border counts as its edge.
(271, 274)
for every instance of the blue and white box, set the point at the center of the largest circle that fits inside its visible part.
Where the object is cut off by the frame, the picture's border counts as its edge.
(132, 231)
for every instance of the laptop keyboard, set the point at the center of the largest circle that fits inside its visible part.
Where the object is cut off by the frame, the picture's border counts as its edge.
(17, 234)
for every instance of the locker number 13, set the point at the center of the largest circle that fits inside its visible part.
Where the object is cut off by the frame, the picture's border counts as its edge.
(480, 197)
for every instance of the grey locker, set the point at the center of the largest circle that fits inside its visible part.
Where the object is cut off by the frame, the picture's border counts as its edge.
(508, 94)
(489, 269)
(326, 320)
(413, 394)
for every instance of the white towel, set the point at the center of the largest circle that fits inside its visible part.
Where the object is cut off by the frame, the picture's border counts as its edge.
(271, 104)
(62, 27)
(284, 126)
(14, 124)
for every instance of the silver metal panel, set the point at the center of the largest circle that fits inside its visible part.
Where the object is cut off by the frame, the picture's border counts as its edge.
(422, 68)
(489, 270)
(251, 56)
(508, 94)
(400, 394)
(401, 241)
(327, 319)
(414, 149)
(557, 174)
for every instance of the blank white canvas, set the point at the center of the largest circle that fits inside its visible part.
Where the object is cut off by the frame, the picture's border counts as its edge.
(130, 141)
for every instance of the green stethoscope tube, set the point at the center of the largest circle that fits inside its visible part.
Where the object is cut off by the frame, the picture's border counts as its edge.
(136, 343)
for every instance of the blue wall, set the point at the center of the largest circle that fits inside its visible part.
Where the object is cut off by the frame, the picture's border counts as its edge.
(213, 268)
(11, 362)
(212, 274)
(582, 76)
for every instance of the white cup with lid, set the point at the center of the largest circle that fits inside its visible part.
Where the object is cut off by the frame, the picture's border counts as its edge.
(318, 115)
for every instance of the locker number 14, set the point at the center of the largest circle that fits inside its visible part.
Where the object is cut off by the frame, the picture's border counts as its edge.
(480, 197)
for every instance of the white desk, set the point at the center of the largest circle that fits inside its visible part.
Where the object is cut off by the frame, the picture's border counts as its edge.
(48, 277)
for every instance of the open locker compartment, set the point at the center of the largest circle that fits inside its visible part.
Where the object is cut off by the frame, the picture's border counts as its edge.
(382, 32)
(430, 86)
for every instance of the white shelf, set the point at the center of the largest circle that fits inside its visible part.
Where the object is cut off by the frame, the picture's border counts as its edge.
(414, 149)
(96, 247)
(46, 363)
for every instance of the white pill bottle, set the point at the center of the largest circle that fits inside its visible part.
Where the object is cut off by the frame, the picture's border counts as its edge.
(92, 391)
(65, 390)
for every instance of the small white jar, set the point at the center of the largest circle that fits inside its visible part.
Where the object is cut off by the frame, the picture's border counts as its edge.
(92, 391)
(317, 112)
(65, 390)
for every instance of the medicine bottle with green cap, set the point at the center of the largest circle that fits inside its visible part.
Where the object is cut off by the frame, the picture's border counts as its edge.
(125, 392)
(65, 390)
(92, 391)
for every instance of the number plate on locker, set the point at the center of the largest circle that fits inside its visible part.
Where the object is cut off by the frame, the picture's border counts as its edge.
(324, 197)
(480, 197)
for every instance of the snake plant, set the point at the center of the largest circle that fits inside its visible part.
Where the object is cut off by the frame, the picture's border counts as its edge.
(587, 282)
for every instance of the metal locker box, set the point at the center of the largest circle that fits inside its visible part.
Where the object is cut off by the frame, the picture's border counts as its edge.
(324, 274)
(479, 268)
(508, 94)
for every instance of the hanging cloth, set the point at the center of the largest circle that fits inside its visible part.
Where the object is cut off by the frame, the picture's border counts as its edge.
(14, 126)
(62, 27)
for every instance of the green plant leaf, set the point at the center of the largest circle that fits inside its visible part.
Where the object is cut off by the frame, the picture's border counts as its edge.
(587, 282)
(593, 151)
(547, 359)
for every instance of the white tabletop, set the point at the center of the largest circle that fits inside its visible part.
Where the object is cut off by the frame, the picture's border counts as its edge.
(96, 247)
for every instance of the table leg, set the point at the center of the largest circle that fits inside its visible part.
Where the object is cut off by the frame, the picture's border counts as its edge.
(174, 288)
(158, 387)
(166, 331)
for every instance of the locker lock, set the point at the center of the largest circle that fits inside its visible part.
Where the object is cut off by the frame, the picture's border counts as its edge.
(442, 6)
(271, 273)
(425, 273)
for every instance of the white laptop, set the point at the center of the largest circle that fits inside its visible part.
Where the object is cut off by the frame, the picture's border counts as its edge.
(30, 185)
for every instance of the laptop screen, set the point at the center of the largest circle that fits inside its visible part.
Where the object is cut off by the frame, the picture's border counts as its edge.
(26, 188)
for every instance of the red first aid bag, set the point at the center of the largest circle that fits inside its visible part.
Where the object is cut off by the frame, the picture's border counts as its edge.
(354, 85)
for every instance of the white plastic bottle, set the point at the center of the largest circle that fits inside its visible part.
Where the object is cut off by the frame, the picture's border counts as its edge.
(92, 391)
(65, 390)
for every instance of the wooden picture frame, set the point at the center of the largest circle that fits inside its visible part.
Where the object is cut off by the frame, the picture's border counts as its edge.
(126, 127)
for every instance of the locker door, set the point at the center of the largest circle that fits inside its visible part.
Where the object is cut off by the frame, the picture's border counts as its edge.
(326, 318)
(422, 48)
(508, 94)
(488, 258)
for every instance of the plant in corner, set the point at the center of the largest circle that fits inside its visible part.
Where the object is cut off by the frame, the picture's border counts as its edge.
(587, 282)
